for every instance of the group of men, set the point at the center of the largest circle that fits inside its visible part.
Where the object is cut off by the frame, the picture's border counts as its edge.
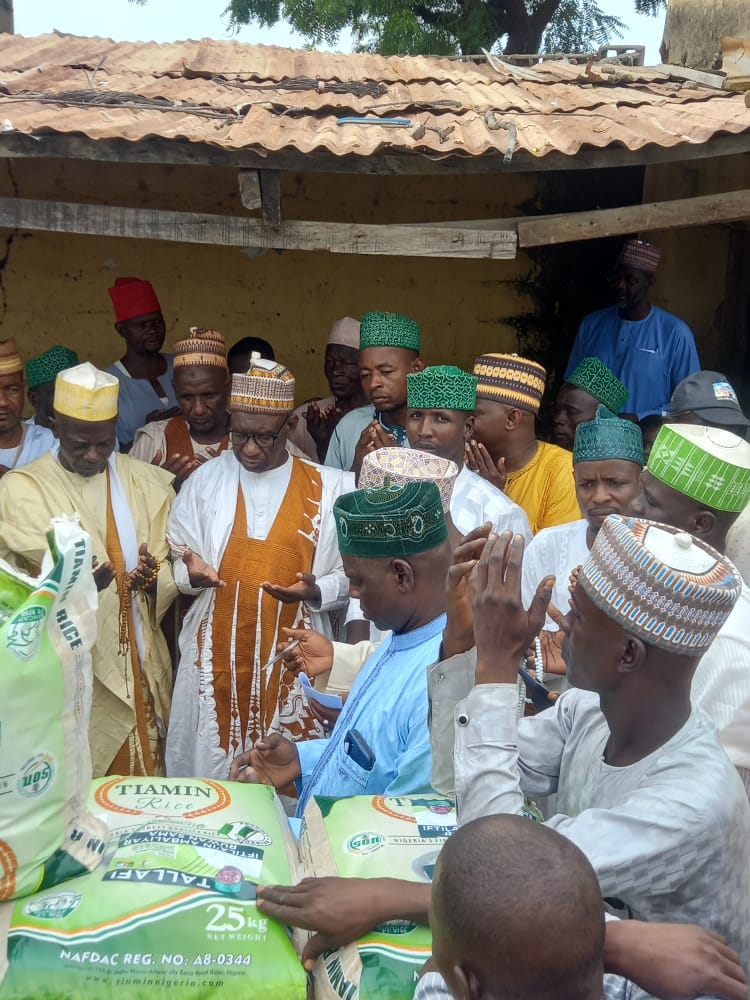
(419, 502)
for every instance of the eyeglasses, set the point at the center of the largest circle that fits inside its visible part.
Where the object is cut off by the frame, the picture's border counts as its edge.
(263, 439)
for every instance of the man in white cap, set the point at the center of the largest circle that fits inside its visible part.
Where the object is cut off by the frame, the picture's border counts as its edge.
(123, 504)
(315, 421)
(643, 786)
(253, 536)
(647, 348)
(698, 479)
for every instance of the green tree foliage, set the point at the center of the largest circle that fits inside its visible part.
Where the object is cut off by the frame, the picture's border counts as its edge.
(444, 27)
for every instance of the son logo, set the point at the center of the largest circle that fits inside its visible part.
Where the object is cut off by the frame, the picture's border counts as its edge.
(36, 774)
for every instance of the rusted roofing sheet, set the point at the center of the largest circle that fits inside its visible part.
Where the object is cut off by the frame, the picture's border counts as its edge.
(267, 99)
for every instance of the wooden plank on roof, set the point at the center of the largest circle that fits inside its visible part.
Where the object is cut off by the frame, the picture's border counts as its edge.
(229, 230)
(249, 182)
(730, 206)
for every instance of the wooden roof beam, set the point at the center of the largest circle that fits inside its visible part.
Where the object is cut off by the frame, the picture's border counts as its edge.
(229, 230)
(729, 206)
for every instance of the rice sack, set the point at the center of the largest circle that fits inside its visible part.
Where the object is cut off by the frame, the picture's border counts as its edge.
(366, 837)
(47, 629)
(171, 911)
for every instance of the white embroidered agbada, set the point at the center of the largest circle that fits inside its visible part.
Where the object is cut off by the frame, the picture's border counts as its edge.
(203, 519)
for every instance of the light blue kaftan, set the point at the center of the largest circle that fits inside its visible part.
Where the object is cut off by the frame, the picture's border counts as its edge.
(387, 705)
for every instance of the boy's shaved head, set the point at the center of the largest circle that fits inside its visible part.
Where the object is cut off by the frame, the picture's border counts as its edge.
(516, 914)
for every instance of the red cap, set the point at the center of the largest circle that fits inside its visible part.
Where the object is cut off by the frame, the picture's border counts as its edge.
(133, 297)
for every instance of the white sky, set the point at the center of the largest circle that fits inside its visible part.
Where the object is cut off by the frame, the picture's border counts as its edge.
(176, 20)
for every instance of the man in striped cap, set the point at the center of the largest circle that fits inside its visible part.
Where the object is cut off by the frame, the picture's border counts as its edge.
(199, 432)
(253, 537)
(648, 349)
(20, 443)
(123, 504)
(504, 448)
(643, 785)
(698, 479)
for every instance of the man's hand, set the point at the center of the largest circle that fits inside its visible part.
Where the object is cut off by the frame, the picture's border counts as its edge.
(313, 655)
(503, 629)
(181, 466)
(305, 589)
(458, 636)
(272, 761)
(674, 961)
(4, 469)
(325, 716)
(320, 425)
(104, 573)
(143, 577)
(479, 460)
(339, 910)
(200, 574)
(374, 436)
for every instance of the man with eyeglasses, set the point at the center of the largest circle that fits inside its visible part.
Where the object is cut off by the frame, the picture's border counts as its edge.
(646, 348)
(253, 536)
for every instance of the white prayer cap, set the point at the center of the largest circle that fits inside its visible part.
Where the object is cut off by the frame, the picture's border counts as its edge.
(85, 393)
(345, 332)
(396, 466)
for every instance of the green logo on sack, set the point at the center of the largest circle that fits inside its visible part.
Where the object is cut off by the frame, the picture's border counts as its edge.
(364, 843)
(53, 907)
(36, 774)
(24, 633)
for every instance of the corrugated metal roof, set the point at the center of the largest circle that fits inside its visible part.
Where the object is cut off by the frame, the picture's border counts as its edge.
(268, 99)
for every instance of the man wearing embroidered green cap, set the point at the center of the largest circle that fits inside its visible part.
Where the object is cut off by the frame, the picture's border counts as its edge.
(389, 347)
(41, 373)
(698, 479)
(584, 389)
(394, 544)
(607, 463)
(440, 420)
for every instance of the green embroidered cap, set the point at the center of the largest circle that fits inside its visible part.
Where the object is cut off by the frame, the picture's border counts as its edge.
(707, 464)
(396, 520)
(608, 436)
(593, 376)
(47, 366)
(382, 329)
(442, 387)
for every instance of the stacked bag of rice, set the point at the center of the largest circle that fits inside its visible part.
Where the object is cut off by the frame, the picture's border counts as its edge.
(171, 911)
(366, 837)
(47, 629)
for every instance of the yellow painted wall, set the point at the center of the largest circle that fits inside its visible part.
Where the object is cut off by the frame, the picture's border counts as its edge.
(54, 287)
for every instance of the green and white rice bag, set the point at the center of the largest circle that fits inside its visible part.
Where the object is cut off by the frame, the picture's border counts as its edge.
(372, 837)
(171, 911)
(47, 629)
